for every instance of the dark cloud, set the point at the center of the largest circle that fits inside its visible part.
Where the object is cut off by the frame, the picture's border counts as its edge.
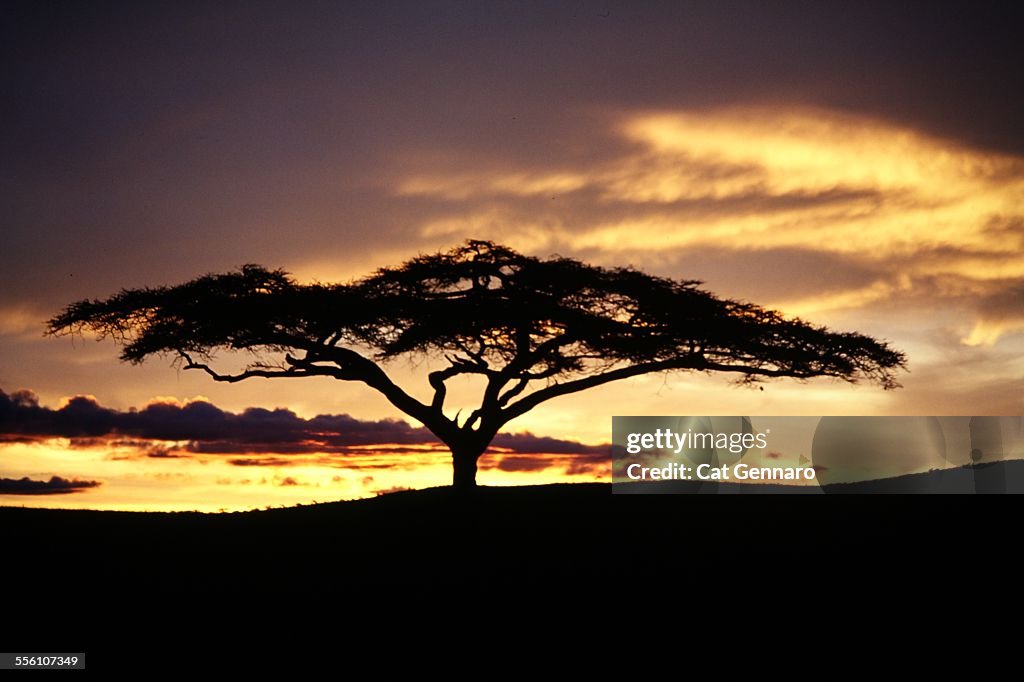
(596, 204)
(1005, 305)
(206, 429)
(162, 452)
(516, 463)
(1010, 229)
(588, 465)
(8, 438)
(593, 462)
(55, 486)
(85, 421)
(526, 442)
(260, 461)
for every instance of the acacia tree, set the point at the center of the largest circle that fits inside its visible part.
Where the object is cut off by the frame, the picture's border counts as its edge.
(531, 329)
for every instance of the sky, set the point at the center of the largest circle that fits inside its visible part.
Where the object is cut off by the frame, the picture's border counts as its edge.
(857, 165)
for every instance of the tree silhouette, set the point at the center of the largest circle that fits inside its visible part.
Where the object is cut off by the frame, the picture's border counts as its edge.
(530, 329)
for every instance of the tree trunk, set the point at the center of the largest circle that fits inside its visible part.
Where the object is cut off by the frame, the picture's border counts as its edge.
(464, 465)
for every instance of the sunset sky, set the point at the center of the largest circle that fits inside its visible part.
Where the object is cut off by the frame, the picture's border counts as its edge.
(855, 164)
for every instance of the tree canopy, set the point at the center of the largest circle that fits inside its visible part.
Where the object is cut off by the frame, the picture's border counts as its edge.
(533, 329)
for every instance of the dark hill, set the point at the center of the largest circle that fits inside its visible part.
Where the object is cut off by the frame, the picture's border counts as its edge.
(554, 545)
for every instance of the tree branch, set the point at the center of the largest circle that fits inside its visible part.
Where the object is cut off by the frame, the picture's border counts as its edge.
(373, 376)
(251, 373)
(526, 404)
(519, 367)
(692, 362)
(437, 380)
(458, 366)
(513, 392)
(351, 367)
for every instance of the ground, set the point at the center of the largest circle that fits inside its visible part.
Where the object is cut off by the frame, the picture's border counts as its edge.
(156, 577)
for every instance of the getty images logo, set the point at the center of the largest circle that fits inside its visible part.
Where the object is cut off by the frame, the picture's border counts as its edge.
(667, 439)
(717, 449)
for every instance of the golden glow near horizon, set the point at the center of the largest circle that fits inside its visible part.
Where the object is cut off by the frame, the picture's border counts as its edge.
(131, 481)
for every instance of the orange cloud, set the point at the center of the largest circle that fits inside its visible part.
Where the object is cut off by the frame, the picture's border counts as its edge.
(914, 207)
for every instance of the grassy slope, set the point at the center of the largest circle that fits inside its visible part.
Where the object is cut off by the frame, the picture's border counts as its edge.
(533, 532)
(556, 544)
